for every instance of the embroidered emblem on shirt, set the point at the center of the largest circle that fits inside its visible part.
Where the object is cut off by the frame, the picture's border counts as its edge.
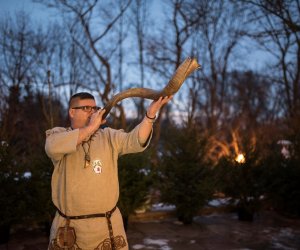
(97, 166)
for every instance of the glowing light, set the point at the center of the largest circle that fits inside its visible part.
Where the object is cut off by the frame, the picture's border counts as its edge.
(240, 158)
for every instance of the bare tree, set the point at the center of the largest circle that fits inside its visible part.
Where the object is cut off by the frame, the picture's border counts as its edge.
(140, 23)
(166, 51)
(277, 30)
(249, 124)
(92, 27)
(21, 48)
(220, 32)
(212, 32)
(57, 73)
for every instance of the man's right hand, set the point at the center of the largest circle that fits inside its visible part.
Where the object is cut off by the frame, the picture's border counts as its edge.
(96, 120)
(93, 125)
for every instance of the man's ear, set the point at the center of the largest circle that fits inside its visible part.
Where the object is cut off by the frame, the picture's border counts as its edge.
(71, 112)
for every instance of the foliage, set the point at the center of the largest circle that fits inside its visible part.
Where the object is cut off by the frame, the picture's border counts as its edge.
(12, 190)
(39, 203)
(38, 198)
(135, 181)
(284, 187)
(185, 177)
(242, 182)
(25, 169)
(282, 181)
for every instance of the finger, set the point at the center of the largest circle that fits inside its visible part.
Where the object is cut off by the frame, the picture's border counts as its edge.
(101, 112)
(159, 99)
(166, 99)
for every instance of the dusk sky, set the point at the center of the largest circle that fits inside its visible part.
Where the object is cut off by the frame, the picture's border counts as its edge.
(256, 59)
(40, 12)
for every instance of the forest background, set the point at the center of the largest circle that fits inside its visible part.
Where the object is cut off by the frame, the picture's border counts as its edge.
(244, 100)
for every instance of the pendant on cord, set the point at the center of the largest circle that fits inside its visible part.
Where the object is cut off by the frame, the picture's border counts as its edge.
(87, 158)
(87, 161)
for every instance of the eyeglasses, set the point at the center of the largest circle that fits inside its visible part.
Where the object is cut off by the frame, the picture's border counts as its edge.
(88, 108)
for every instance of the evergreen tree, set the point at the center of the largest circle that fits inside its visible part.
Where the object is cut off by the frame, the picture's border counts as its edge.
(135, 181)
(12, 191)
(282, 177)
(243, 183)
(185, 175)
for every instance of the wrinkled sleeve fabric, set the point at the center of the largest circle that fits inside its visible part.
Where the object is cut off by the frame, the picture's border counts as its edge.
(127, 143)
(60, 141)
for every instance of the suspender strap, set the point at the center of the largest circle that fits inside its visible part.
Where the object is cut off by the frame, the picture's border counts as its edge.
(107, 215)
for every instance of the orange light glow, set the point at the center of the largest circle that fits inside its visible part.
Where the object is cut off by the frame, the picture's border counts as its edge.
(240, 158)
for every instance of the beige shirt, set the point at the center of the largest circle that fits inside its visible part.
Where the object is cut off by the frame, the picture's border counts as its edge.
(80, 190)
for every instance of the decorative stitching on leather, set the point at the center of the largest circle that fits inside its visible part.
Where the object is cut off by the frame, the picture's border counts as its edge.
(119, 243)
(104, 245)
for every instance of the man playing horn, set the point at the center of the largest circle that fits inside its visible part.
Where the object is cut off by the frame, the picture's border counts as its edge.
(85, 187)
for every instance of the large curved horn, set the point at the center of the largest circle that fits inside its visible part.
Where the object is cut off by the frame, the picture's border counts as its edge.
(183, 71)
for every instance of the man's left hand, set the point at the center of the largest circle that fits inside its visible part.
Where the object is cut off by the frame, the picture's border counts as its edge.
(155, 106)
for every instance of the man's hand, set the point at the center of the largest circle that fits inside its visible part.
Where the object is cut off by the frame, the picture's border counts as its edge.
(155, 106)
(93, 125)
(96, 120)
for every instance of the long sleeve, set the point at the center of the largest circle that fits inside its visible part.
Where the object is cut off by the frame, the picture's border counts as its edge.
(60, 141)
(127, 143)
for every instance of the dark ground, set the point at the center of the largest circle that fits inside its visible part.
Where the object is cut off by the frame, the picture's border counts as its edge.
(208, 232)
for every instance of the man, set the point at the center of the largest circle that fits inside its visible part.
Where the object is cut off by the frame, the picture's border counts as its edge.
(85, 187)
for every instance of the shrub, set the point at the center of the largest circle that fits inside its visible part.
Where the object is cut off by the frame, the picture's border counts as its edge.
(135, 182)
(283, 185)
(242, 183)
(185, 176)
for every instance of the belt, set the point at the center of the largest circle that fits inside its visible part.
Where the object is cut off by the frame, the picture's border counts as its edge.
(107, 215)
